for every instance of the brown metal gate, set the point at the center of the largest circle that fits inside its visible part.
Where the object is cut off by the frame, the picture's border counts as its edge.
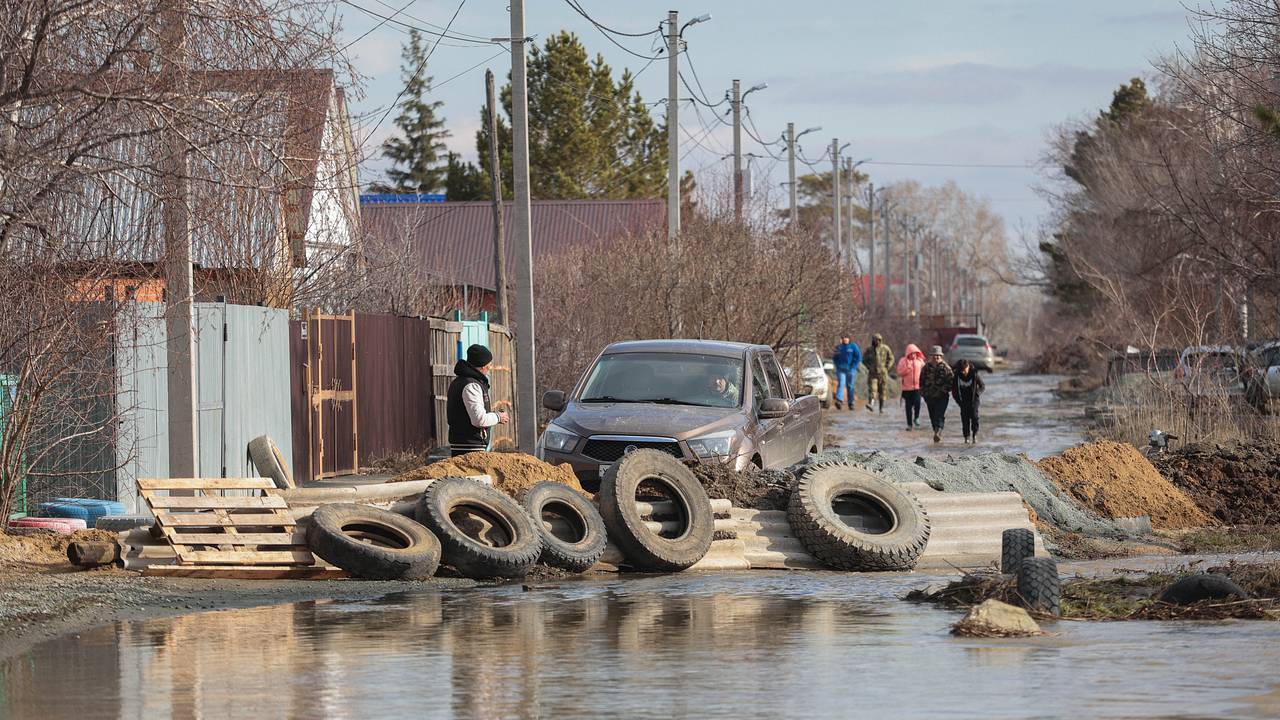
(332, 427)
(502, 385)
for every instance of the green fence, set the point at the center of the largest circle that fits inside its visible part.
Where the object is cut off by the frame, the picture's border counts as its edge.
(8, 394)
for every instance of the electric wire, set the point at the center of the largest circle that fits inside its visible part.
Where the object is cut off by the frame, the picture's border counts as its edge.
(609, 33)
(407, 26)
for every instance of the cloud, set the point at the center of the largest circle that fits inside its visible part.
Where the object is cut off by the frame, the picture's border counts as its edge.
(962, 83)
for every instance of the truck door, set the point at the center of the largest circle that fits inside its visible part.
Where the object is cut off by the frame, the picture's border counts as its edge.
(793, 438)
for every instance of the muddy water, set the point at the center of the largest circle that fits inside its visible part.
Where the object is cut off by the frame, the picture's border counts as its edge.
(1019, 414)
(757, 644)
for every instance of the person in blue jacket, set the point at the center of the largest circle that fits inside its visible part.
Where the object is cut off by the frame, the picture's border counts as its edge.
(847, 359)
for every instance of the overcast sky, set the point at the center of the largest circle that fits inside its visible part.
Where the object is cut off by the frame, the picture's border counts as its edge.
(936, 81)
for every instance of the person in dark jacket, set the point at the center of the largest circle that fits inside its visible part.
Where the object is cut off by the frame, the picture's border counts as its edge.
(468, 410)
(847, 358)
(967, 389)
(936, 380)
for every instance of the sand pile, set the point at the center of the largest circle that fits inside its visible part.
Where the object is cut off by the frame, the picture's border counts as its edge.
(45, 551)
(1237, 484)
(1115, 480)
(512, 473)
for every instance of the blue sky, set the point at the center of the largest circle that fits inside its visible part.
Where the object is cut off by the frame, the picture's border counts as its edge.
(960, 81)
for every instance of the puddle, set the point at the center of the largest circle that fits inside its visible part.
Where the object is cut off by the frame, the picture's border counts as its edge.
(758, 644)
(1019, 414)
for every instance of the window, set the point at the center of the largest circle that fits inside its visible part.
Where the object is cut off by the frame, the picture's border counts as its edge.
(971, 341)
(665, 378)
(776, 387)
(760, 386)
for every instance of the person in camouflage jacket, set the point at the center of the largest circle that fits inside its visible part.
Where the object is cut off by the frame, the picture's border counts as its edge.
(936, 380)
(879, 361)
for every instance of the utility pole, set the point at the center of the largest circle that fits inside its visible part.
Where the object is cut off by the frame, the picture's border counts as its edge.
(835, 198)
(888, 282)
(871, 257)
(495, 185)
(526, 366)
(179, 308)
(737, 149)
(673, 125)
(791, 170)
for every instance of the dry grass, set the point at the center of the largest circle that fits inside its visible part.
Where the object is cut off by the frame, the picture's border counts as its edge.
(1150, 403)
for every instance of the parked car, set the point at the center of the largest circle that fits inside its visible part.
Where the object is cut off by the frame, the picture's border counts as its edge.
(1211, 371)
(812, 371)
(1261, 376)
(699, 400)
(973, 348)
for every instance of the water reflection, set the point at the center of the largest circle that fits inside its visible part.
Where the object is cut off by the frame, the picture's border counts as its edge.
(735, 645)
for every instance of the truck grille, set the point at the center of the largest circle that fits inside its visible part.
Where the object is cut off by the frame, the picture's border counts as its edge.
(613, 450)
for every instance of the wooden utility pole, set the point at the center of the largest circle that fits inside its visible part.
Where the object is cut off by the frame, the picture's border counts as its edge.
(179, 312)
(495, 183)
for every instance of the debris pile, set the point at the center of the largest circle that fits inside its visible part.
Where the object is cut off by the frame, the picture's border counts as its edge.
(1238, 484)
(751, 488)
(1115, 480)
(512, 473)
(44, 551)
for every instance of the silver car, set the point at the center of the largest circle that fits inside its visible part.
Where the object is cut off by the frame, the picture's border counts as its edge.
(973, 348)
(812, 379)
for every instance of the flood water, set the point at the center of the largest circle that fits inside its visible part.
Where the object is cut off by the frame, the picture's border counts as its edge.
(1018, 414)
(749, 644)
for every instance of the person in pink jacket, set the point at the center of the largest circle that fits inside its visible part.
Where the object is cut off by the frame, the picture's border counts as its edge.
(908, 369)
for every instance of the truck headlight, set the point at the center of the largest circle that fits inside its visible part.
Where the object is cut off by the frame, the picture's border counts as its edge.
(558, 439)
(718, 444)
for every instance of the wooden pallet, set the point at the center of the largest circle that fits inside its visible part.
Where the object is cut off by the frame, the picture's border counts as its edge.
(245, 572)
(207, 527)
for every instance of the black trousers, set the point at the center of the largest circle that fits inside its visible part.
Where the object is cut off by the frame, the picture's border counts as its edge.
(938, 411)
(911, 398)
(456, 450)
(969, 418)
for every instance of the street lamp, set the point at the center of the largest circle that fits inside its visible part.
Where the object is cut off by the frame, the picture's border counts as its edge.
(700, 19)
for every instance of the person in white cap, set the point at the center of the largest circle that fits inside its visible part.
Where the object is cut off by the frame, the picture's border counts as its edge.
(936, 380)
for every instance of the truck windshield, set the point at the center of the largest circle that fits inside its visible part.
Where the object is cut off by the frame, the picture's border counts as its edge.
(665, 378)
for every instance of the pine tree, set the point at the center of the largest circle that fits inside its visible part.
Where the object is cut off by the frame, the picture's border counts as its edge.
(589, 136)
(465, 181)
(416, 155)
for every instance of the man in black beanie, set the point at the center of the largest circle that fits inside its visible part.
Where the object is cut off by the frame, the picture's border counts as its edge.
(468, 410)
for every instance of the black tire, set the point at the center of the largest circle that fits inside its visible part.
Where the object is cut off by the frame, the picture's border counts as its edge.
(1202, 586)
(582, 546)
(123, 523)
(1039, 586)
(892, 527)
(270, 462)
(373, 543)
(496, 538)
(1016, 545)
(644, 548)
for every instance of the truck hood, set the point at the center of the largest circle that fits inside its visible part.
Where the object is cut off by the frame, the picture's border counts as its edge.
(678, 421)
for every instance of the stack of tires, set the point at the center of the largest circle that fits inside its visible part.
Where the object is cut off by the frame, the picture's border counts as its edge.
(1039, 587)
(850, 519)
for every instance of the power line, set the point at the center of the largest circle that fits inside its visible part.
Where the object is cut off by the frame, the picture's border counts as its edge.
(477, 38)
(954, 165)
(421, 66)
(609, 33)
(688, 59)
(407, 26)
(370, 31)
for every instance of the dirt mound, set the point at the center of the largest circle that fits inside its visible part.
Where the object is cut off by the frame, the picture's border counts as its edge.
(751, 488)
(512, 473)
(1238, 484)
(45, 551)
(1114, 480)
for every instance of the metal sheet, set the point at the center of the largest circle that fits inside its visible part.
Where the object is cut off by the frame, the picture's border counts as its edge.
(256, 391)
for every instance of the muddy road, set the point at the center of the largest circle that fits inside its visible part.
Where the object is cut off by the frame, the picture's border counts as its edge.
(758, 644)
(1019, 414)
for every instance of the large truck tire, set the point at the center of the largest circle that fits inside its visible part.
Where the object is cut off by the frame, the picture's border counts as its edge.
(1016, 545)
(270, 462)
(373, 543)
(852, 520)
(573, 533)
(666, 478)
(484, 533)
(1039, 585)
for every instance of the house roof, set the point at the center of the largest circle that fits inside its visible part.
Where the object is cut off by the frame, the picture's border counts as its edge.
(454, 240)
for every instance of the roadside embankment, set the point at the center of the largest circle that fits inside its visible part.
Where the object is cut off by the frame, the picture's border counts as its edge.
(1238, 484)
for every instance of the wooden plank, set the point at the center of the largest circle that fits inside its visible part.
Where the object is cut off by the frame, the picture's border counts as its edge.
(209, 503)
(211, 538)
(338, 395)
(256, 483)
(244, 557)
(232, 572)
(212, 520)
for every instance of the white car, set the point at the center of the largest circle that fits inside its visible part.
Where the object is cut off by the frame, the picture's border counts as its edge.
(807, 362)
(1211, 371)
(1262, 375)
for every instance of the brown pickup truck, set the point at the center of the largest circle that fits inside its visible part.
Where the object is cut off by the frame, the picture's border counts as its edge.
(699, 400)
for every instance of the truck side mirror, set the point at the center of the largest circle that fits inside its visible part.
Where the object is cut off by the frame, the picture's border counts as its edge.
(774, 408)
(554, 400)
